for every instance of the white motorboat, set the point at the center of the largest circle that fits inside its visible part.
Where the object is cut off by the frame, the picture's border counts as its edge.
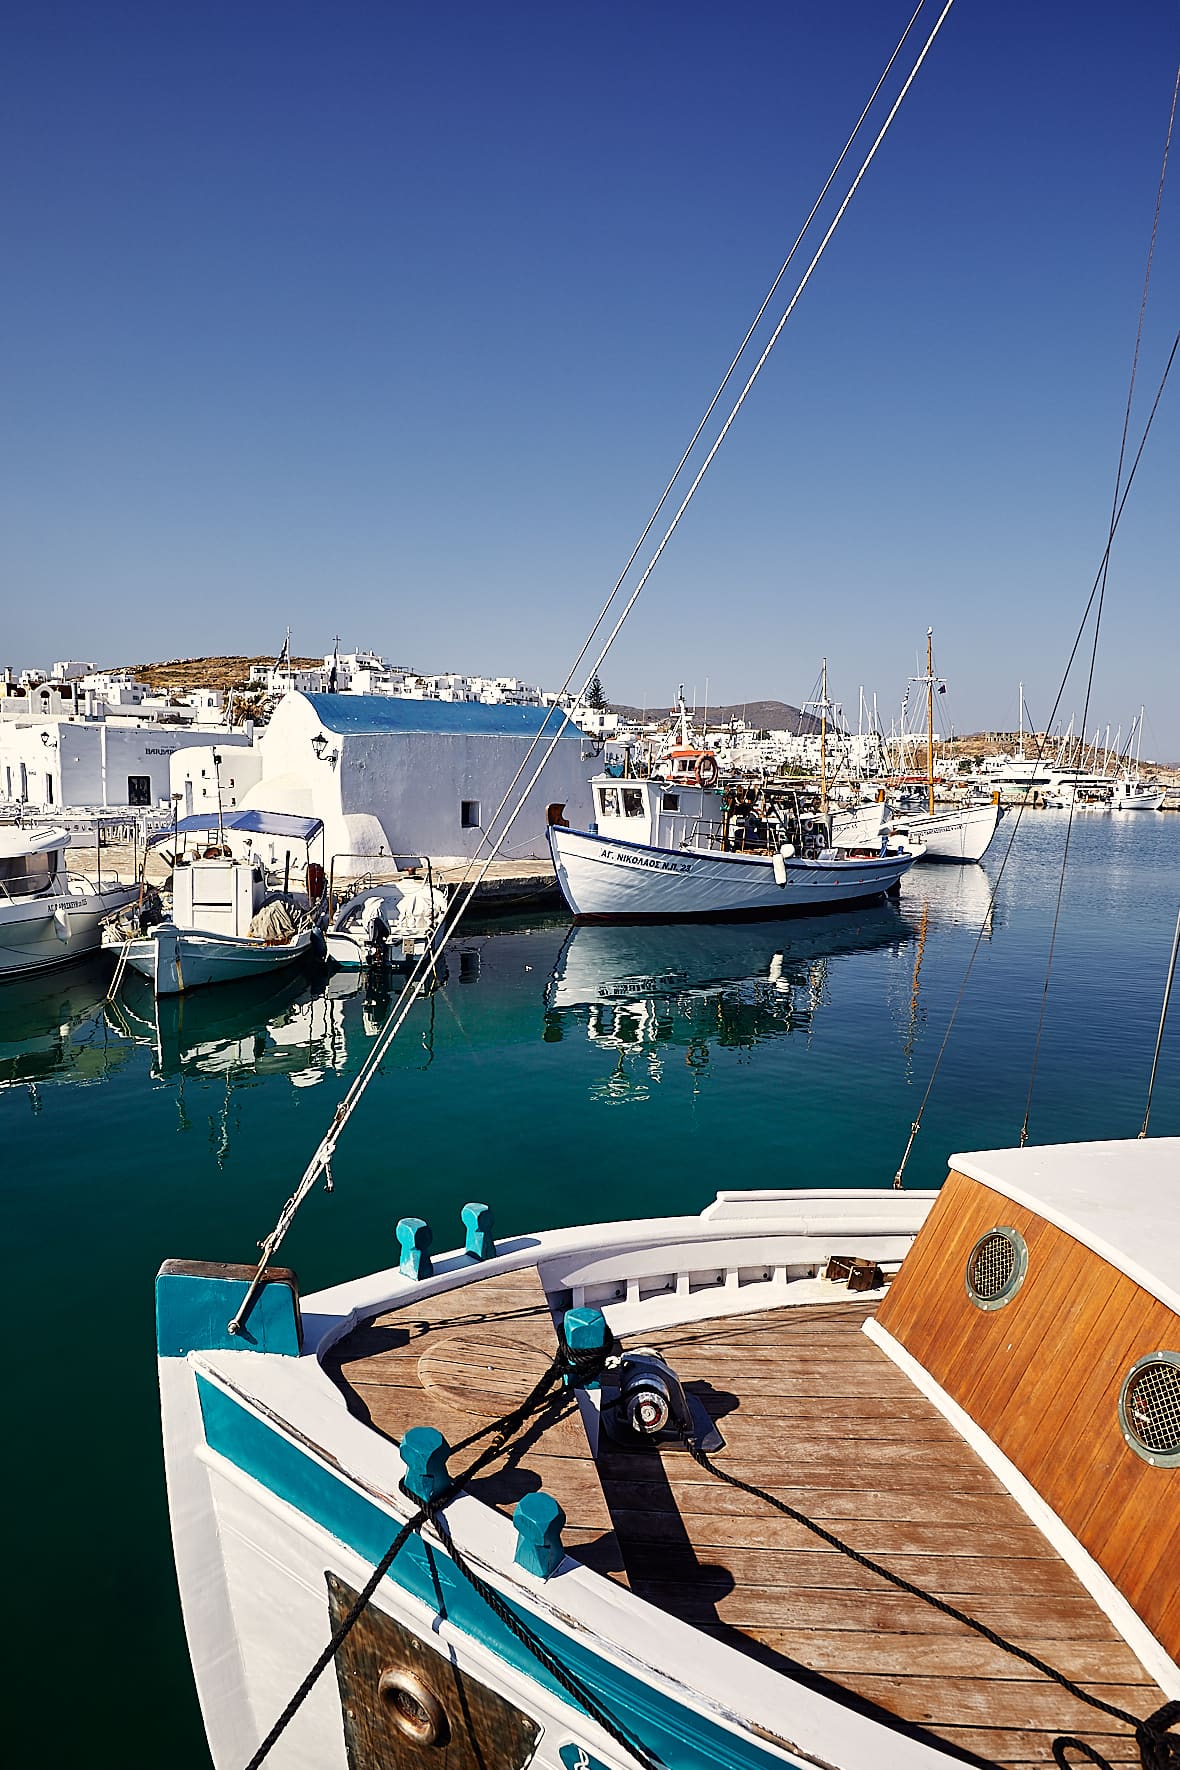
(49, 915)
(951, 832)
(661, 851)
(391, 923)
(226, 921)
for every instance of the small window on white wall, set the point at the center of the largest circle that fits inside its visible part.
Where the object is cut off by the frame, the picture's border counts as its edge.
(469, 814)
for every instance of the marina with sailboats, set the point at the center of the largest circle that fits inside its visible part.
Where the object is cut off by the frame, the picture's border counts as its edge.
(663, 1221)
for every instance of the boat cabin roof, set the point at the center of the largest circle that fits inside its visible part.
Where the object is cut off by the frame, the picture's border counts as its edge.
(1120, 1199)
(15, 841)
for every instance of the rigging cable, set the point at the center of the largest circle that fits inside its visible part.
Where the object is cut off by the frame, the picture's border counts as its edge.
(1159, 197)
(680, 466)
(405, 1001)
(916, 1126)
(1159, 1037)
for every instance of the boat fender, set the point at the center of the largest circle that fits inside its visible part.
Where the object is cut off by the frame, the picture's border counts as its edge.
(707, 771)
(780, 870)
(315, 881)
(787, 850)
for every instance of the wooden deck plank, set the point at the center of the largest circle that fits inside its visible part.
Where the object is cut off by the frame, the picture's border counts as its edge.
(456, 1361)
(813, 1411)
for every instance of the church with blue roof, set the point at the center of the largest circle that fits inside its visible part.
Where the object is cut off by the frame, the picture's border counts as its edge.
(395, 775)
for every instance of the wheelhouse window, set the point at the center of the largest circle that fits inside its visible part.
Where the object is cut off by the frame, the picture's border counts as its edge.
(139, 789)
(469, 814)
(608, 799)
(25, 875)
(633, 801)
(670, 802)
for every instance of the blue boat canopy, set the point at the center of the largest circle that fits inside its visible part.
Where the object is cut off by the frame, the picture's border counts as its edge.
(256, 823)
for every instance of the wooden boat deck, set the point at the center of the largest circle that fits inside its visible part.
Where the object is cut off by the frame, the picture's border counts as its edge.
(461, 1359)
(813, 1412)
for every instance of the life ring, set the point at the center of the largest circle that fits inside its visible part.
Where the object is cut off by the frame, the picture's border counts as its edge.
(707, 771)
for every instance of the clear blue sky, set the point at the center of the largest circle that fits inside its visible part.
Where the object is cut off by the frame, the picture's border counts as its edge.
(393, 319)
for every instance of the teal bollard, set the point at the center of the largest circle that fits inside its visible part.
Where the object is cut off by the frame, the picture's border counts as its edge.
(584, 1330)
(415, 1238)
(424, 1453)
(539, 1522)
(478, 1221)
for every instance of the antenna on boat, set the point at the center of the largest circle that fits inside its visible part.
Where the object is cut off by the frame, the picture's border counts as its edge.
(1159, 1037)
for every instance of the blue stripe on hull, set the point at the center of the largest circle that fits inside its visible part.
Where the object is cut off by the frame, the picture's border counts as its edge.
(683, 1738)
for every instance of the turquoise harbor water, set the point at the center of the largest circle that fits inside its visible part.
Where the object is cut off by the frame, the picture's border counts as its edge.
(562, 1075)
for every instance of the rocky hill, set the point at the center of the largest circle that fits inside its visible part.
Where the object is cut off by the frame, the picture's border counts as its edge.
(761, 715)
(224, 673)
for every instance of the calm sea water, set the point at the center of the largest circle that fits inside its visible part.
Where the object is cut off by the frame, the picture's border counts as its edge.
(562, 1075)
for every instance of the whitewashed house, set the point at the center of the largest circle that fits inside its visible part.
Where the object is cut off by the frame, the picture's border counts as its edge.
(401, 775)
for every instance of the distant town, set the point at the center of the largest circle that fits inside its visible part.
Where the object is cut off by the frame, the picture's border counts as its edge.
(81, 742)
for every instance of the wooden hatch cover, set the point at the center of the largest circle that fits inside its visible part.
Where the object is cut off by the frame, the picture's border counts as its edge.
(404, 1703)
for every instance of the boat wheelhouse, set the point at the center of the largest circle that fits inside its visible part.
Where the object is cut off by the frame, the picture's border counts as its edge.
(48, 914)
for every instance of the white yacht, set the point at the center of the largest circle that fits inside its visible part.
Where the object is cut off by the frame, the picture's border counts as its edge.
(48, 915)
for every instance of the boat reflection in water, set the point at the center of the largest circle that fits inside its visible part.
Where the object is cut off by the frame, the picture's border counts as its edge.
(53, 1025)
(646, 991)
(277, 1026)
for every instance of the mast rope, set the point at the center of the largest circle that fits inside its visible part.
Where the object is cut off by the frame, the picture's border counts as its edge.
(542, 1406)
(401, 1008)
(1159, 1037)
(1159, 197)
(1157, 1750)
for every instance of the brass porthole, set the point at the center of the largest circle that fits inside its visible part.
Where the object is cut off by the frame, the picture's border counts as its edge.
(1149, 1409)
(996, 1267)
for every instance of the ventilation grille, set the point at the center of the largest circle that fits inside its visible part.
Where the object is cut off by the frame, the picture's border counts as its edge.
(996, 1267)
(1149, 1408)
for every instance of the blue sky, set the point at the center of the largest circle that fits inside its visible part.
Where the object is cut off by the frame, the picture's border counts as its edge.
(392, 320)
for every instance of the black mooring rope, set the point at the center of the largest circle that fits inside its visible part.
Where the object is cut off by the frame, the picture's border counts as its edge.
(544, 1397)
(1158, 1750)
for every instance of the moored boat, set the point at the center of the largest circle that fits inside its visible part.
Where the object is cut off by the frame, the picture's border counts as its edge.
(48, 914)
(713, 1535)
(225, 922)
(661, 852)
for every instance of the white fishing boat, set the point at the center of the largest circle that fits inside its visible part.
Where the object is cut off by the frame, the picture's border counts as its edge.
(665, 851)
(389, 922)
(715, 1538)
(48, 914)
(1130, 793)
(226, 921)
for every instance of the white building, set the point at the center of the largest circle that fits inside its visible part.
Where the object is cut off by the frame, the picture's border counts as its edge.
(95, 763)
(400, 775)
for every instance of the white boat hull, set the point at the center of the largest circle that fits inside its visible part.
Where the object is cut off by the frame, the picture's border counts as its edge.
(1150, 799)
(958, 833)
(174, 959)
(39, 932)
(608, 880)
(856, 825)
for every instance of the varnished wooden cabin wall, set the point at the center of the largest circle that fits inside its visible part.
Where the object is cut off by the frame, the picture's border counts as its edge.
(1042, 1376)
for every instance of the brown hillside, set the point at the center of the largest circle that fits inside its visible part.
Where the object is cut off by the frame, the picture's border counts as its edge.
(223, 673)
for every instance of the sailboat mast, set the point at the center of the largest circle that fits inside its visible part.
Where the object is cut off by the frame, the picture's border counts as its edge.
(823, 738)
(930, 718)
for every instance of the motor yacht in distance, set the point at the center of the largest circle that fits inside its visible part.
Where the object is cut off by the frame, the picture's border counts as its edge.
(48, 915)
